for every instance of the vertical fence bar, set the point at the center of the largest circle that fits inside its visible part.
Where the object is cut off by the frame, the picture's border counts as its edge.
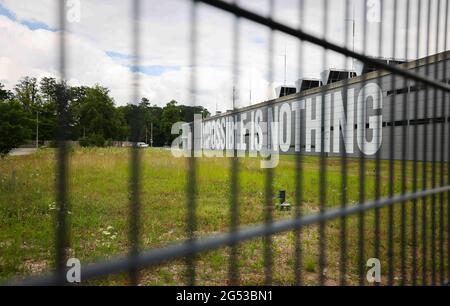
(62, 227)
(323, 161)
(343, 220)
(447, 119)
(268, 217)
(434, 156)
(191, 180)
(424, 158)
(134, 208)
(234, 170)
(391, 210)
(442, 163)
(378, 154)
(415, 157)
(362, 168)
(405, 111)
(298, 254)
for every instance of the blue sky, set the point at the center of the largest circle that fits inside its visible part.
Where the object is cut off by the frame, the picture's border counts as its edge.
(32, 25)
(154, 70)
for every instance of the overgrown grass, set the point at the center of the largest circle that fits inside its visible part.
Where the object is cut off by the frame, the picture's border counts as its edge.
(99, 215)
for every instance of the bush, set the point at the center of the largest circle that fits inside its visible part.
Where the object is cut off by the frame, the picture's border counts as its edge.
(93, 140)
(14, 126)
(109, 143)
(53, 144)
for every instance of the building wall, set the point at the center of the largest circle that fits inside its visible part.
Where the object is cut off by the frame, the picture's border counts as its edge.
(403, 113)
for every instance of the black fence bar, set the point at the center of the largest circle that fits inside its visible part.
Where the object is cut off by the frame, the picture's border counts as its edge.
(344, 177)
(442, 232)
(134, 208)
(62, 232)
(434, 161)
(191, 185)
(424, 163)
(377, 190)
(415, 163)
(406, 108)
(298, 251)
(391, 211)
(323, 160)
(234, 169)
(268, 189)
(445, 101)
(362, 174)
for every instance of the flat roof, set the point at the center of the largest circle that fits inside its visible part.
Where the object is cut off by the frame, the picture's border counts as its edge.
(364, 77)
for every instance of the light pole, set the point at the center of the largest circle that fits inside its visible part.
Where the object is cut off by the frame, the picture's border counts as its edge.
(352, 20)
(285, 68)
(151, 134)
(37, 129)
(146, 133)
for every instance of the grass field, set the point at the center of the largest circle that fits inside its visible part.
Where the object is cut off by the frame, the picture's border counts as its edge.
(99, 214)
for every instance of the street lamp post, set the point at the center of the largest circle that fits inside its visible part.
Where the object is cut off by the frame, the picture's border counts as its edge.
(37, 129)
(151, 134)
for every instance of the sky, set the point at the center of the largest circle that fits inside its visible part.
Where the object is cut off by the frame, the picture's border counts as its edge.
(99, 44)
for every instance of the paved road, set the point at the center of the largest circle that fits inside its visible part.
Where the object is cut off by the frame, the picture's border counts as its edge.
(22, 151)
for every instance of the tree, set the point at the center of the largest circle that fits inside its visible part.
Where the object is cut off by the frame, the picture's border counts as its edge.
(47, 108)
(27, 93)
(97, 114)
(14, 126)
(151, 123)
(48, 89)
(4, 93)
(91, 114)
(171, 114)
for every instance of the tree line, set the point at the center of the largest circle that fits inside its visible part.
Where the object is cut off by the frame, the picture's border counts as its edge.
(92, 117)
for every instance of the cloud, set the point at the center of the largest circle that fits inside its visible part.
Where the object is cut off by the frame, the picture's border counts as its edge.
(100, 47)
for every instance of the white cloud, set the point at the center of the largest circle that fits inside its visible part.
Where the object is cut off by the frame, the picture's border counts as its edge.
(106, 26)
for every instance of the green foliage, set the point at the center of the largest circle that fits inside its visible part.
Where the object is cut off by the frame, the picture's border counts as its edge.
(14, 126)
(94, 140)
(4, 93)
(92, 115)
(27, 93)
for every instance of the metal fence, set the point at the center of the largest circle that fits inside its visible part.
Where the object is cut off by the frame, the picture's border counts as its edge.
(431, 201)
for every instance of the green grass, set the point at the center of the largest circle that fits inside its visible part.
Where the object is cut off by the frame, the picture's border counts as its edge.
(99, 215)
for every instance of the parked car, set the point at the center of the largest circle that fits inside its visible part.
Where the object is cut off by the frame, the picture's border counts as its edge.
(142, 145)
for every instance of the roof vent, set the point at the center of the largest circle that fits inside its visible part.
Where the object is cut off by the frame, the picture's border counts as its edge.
(282, 91)
(335, 75)
(305, 84)
(367, 67)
